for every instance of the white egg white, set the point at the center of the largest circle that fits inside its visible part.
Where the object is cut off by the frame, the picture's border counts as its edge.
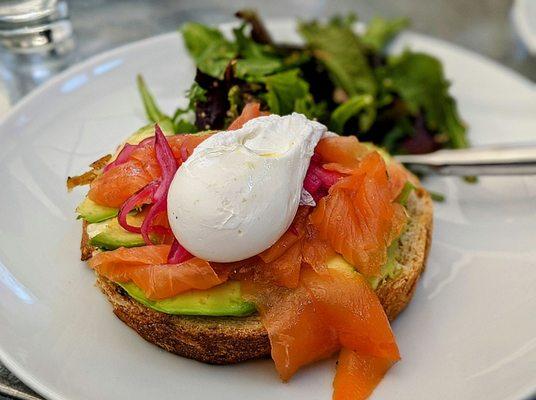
(239, 191)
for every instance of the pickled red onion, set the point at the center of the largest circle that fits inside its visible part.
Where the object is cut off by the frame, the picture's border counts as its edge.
(318, 180)
(143, 196)
(178, 254)
(169, 166)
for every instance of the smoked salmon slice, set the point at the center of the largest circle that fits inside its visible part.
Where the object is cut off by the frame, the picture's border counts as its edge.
(289, 238)
(316, 252)
(345, 301)
(249, 112)
(358, 217)
(297, 336)
(183, 146)
(341, 153)
(146, 156)
(116, 185)
(147, 267)
(358, 375)
(167, 280)
(299, 244)
(325, 312)
(284, 270)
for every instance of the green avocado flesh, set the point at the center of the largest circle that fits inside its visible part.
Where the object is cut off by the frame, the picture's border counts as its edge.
(93, 212)
(110, 235)
(222, 300)
(391, 267)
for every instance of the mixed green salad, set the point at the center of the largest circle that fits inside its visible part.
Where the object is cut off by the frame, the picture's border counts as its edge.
(340, 77)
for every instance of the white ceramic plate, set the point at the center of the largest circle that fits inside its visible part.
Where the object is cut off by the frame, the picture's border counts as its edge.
(470, 332)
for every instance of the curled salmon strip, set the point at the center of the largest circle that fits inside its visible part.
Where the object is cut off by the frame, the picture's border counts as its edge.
(147, 267)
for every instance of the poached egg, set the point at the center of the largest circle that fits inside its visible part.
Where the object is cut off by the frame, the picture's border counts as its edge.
(239, 191)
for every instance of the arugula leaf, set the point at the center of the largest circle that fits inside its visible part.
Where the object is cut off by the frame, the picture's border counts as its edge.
(208, 47)
(151, 108)
(419, 80)
(340, 49)
(288, 92)
(361, 104)
(381, 31)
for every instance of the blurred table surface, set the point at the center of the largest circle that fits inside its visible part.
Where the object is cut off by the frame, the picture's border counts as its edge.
(483, 26)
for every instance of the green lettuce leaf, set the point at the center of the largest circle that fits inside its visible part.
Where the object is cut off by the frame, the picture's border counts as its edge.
(287, 92)
(254, 69)
(381, 31)
(419, 80)
(258, 60)
(182, 125)
(249, 48)
(359, 105)
(208, 47)
(340, 49)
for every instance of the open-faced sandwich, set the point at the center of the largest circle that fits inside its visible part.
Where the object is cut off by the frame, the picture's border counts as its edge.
(273, 237)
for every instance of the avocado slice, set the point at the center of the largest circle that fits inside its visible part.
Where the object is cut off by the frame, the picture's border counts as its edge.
(390, 270)
(93, 212)
(222, 300)
(405, 193)
(109, 235)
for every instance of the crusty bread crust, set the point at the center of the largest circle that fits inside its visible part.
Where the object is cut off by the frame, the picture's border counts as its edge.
(228, 340)
(414, 245)
(214, 340)
(86, 249)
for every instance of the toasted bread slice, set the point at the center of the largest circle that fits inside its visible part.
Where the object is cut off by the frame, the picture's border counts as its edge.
(228, 340)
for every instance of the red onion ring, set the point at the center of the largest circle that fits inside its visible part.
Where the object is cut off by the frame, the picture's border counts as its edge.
(168, 165)
(142, 196)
